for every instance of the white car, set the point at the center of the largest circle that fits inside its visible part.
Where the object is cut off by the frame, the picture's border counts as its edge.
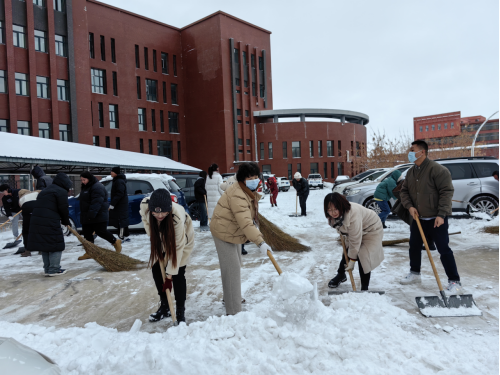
(283, 183)
(315, 180)
(369, 178)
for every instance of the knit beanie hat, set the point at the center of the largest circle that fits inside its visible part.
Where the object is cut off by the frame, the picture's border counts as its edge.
(160, 201)
(87, 175)
(297, 175)
(116, 170)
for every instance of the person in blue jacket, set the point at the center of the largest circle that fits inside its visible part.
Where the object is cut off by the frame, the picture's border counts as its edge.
(383, 194)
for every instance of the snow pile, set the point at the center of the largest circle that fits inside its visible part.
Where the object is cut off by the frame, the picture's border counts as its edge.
(289, 285)
(455, 311)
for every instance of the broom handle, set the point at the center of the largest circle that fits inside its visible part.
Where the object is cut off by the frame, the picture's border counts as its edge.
(347, 262)
(296, 204)
(270, 255)
(18, 237)
(206, 205)
(171, 307)
(9, 219)
(495, 210)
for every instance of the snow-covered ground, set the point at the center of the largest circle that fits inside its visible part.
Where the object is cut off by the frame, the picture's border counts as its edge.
(94, 322)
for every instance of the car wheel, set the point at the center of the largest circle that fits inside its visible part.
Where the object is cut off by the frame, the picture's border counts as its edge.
(194, 211)
(286, 190)
(484, 204)
(372, 205)
(66, 231)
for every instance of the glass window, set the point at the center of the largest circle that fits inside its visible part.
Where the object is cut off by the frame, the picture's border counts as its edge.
(289, 171)
(314, 169)
(100, 114)
(108, 142)
(113, 116)
(22, 87)
(118, 143)
(103, 48)
(433, 127)
(270, 150)
(460, 171)
(98, 81)
(154, 61)
(426, 128)
(446, 125)
(146, 60)
(115, 84)
(2, 32)
(245, 68)
(165, 148)
(62, 90)
(296, 149)
(164, 93)
(262, 150)
(150, 146)
(138, 80)
(266, 168)
(135, 187)
(19, 33)
(320, 149)
(64, 133)
(339, 148)
(95, 138)
(299, 168)
(248, 142)
(153, 120)
(247, 113)
(40, 3)
(173, 122)
(4, 126)
(439, 126)
(141, 146)
(113, 52)
(164, 63)
(311, 149)
(173, 93)
(238, 112)
(151, 90)
(40, 41)
(3, 81)
(175, 65)
(137, 60)
(329, 148)
(142, 119)
(44, 130)
(420, 129)
(23, 128)
(451, 126)
(485, 169)
(285, 150)
(61, 46)
(91, 45)
(240, 142)
(340, 168)
(42, 87)
(325, 169)
(162, 125)
(60, 5)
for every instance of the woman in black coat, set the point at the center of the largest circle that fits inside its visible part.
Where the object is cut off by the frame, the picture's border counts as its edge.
(94, 215)
(49, 212)
(118, 207)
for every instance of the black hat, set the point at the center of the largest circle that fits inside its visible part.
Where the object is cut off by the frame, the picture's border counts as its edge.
(160, 201)
(87, 175)
(116, 170)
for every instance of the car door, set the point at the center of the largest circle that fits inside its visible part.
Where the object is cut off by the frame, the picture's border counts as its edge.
(465, 183)
(484, 172)
(136, 190)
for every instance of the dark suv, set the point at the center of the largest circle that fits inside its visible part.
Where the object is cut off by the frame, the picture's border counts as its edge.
(186, 183)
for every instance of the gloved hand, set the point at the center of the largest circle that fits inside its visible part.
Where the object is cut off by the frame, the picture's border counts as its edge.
(264, 247)
(167, 285)
(11, 217)
(350, 266)
(111, 207)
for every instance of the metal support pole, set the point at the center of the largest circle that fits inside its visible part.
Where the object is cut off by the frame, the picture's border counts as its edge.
(477, 133)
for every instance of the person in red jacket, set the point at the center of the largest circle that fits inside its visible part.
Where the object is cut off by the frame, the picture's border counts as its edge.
(273, 187)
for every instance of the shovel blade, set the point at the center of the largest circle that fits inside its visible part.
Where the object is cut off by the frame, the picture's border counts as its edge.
(459, 305)
(12, 244)
(337, 292)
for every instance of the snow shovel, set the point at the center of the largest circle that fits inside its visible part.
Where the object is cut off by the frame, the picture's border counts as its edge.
(296, 207)
(171, 307)
(13, 244)
(336, 292)
(434, 306)
(9, 219)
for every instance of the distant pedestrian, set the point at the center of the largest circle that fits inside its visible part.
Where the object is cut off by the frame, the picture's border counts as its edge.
(27, 202)
(10, 202)
(42, 180)
(495, 175)
(200, 195)
(45, 234)
(301, 185)
(94, 212)
(213, 188)
(118, 207)
(383, 193)
(272, 185)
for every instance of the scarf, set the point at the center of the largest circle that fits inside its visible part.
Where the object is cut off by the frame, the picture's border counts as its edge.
(253, 198)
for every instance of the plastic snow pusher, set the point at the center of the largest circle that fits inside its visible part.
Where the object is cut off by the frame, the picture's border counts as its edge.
(448, 304)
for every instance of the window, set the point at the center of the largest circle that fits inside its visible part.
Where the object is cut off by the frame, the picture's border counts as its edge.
(64, 133)
(141, 146)
(22, 87)
(142, 119)
(113, 116)
(236, 54)
(153, 120)
(108, 142)
(314, 168)
(247, 113)
(173, 122)
(433, 127)
(266, 168)
(254, 74)
(460, 171)
(165, 148)
(164, 92)
(40, 3)
(439, 126)
(446, 125)
(240, 142)
(332, 169)
(178, 150)
(23, 128)
(248, 142)
(100, 114)
(117, 143)
(60, 45)
(146, 59)
(98, 81)
(451, 126)
(2, 33)
(245, 69)
(239, 122)
(270, 150)
(138, 80)
(173, 93)
(59, 5)
(150, 146)
(103, 48)
(164, 63)
(137, 60)
(261, 150)
(175, 65)
(44, 130)
(299, 168)
(253, 89)
(151, 90)
(62, 90)
(42, 87)
(339, 149)
(4, 126)
(311, 149)
(19, 33)
(95, 140)
(296, 149)
(3, 81)
(262, 90)
(320, 149)
(40, 41)
(154, 61)
(325, 169)
(162, 125)
(426, 128)
(329, 148)
(420, 129)
(285, 150)
(340, 168)
(484, 170)
(238, 112)
(115, 84)
(91, 45)
(113, 52)
(289, 171)
(247, 122)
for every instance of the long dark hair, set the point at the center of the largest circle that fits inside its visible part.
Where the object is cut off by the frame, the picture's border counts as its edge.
(338, 201)
(212, 169)
(162, 239)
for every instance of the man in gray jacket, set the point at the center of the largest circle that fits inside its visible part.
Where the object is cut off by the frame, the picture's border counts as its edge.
(427, 193)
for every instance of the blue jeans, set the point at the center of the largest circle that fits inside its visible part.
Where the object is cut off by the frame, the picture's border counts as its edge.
(51, 261)
(15, 224)
(203, 214)
(386, 210)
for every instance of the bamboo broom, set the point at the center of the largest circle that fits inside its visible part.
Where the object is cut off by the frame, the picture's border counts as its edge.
(110, 260)
(277, 239)
(491, 229)
(404, 240)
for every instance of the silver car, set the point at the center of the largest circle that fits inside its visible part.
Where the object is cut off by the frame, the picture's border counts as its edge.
(371, 177)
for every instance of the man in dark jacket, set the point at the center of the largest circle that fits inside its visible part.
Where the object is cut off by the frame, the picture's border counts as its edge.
(10, 202)
(383, 193)
(118, 207)
(50, 211)
(27, 202)
(427, 193)
(94, 213)
(42, 180)
(200, 196)
(301, 185)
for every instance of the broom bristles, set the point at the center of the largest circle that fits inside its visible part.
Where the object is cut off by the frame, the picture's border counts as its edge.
(491, 229)
(110, 260)
(277, 239)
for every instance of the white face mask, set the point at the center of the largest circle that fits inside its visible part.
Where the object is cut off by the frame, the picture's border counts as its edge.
(252, 184)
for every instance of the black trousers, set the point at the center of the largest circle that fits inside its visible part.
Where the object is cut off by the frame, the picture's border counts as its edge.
(101, 229)
(365, 277)
(123, 232)
(441, 240)
(302, 202)
(178, 281)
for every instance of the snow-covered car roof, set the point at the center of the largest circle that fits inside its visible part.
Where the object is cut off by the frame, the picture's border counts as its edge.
(143, 176)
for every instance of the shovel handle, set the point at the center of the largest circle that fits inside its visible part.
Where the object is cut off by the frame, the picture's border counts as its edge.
(270, 255)
(9, 219)
(346, 259)
(18, 237)
(495, 210)
(171, 307)
(206, 205)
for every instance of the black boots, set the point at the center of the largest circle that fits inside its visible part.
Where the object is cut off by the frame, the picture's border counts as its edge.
(179, 314)
(337, 280)
(162, 313)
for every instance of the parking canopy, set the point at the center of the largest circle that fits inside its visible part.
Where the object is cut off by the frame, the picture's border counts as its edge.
(19, 153)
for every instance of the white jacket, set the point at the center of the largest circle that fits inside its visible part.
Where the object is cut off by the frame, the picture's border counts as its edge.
(214, 192)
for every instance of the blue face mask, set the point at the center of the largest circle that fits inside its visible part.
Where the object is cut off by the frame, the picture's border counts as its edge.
(411, 157)
(252, 184)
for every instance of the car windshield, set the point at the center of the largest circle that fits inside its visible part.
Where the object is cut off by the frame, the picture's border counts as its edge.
(361, 175)
(173, 187)
(314, 176)
(374, 176)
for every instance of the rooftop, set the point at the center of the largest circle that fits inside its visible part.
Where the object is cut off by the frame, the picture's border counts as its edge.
(340, 114)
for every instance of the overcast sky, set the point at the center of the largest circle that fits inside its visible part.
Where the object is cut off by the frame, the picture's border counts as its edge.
(392, 60)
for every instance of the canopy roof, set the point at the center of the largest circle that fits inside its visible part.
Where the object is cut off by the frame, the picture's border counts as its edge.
(18, 153)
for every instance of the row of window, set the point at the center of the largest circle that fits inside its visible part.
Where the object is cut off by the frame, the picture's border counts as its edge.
(59, 5)
(164, 148)
(107, 139)
(313, 168)
(44, 129)
(103, 48)
(164, 61)
(173, 121)
(41, 40)
(296, 149)
(452, 125)
(42, 86)
(237, 68)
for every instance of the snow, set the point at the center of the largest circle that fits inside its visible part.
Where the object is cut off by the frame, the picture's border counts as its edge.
(445, 312)
(94, 322)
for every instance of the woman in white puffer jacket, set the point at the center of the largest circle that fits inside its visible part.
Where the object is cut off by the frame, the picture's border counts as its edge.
(213, 188)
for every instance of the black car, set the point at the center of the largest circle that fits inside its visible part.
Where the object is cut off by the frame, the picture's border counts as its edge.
(186, 183)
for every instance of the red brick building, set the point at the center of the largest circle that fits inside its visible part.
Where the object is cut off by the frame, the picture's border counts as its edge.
(87, 72)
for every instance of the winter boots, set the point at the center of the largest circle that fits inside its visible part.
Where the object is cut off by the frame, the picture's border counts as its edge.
(411, 278)
(162, 313)
(26, 254)
(85, 256)
(179, 314)
(118, 245)
(337, 280)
